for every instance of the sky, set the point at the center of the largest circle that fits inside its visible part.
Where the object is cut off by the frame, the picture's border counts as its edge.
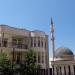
(36, 15)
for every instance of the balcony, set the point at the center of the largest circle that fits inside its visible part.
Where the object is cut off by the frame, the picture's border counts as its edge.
(14, 45)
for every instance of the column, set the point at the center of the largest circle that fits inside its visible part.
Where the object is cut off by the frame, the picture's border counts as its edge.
(67, 69)
(36, 42)
(44, 58)
(52, 70)
(37, 57)
(40, 42)
(41, 57)
(44, 43)
(72, 69)
(58, 70)
(62, 70)
(33, 41)
(55, 71)
(9, 42)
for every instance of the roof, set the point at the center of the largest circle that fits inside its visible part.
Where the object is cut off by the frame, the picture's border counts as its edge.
(63, 51)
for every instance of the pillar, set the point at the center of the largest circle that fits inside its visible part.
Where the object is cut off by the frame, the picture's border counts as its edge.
(10, 42)
(72, 69)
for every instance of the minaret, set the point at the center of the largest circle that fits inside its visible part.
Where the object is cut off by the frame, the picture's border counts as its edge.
(52, 38)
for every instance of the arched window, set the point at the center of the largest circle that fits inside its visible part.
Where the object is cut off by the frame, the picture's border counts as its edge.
(38, 42)
(34, 42)
(57, 70)
(69, 70)
(60, 71)
(39, 57)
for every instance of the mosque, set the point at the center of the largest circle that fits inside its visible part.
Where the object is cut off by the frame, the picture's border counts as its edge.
(63, 62)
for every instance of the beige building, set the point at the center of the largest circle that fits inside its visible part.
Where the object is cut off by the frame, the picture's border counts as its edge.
(21, 40)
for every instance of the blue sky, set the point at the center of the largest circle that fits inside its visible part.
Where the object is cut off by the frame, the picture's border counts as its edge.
(36, 14)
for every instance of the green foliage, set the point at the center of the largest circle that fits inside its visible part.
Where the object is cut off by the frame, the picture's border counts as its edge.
(30, 63)
(30, 58)
(5, 65)
(28, 67)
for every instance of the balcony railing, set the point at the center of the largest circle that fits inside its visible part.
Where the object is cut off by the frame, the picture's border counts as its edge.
(14, 45)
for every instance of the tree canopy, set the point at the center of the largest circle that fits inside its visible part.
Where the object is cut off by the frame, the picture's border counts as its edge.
(28, 67)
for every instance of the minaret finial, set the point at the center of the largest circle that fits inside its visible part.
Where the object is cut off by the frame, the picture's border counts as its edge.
(52, 38)
(51, 21)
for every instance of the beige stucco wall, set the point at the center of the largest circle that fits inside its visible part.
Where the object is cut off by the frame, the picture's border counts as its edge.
(14, 31)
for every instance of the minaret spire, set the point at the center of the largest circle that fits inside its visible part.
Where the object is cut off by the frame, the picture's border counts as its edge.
(51, 21)
(52, 38)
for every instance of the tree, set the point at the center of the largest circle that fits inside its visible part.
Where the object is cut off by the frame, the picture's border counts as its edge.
(5, 65)
(29, 66)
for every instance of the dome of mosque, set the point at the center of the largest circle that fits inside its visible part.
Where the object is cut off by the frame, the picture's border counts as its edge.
(62, 51)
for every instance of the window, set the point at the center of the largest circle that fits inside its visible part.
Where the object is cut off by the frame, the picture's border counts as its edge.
(42, 59)
(34, 42)
(45, 45)
(39, 57)
(60, 71)
(17, 42)
(38, 43)
(34, 58)
(31, 42)
(26, 46)
(57, 70)
(69, 70)
(4, 42)
(14, 42)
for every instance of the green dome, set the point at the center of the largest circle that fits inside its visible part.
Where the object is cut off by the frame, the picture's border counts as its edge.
(62, 51)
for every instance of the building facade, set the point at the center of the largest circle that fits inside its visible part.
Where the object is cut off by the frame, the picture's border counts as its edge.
(21, 40)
